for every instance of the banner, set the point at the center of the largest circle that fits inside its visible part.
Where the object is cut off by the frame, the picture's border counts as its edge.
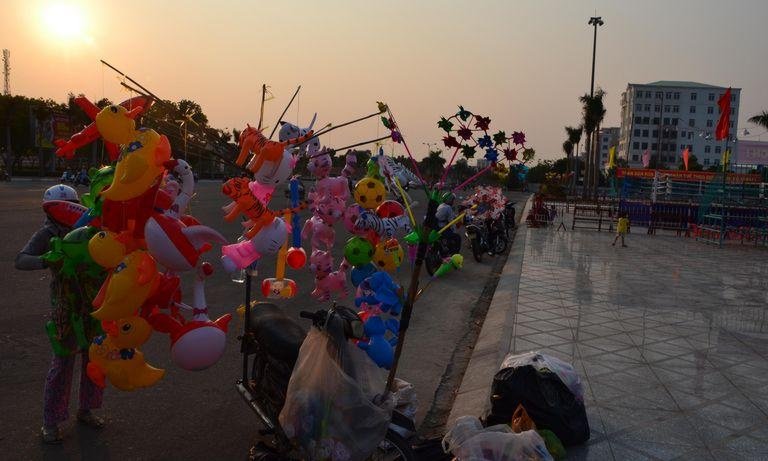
(57, 126)
(679, 175)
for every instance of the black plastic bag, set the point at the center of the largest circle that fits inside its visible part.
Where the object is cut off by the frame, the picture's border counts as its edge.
(548, 401)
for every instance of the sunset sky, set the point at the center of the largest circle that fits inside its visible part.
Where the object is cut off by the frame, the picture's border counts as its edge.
(523, 63)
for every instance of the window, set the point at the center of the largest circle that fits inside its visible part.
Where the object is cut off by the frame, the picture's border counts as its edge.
(669, 95)
(731, 124)
(717, 161)
(648, 94)
(675, 109)
(664, 146)
(644, 145)
(711, 96)
(691, 122)
(733, 110)
(706, 161)
(635, 158)
(709, 123)
(690, 148)
(645, 120)
(655, 120)
(666, 120)
(635, 145)
(692, 110)
(659, 95)
(667, 108)
(710, 110)
(638, 93)
(637, 131)
(693, 96)
(605, 147)
(655, 134)
(645, 133)
(653, 146)
(682, 133)
(673, 147)
(638, 107)
(717, 149)
(733, 98)
(657, 108)
(674, 121)
(647, 107)
(639, 120)
(707, 149)
(676, 95)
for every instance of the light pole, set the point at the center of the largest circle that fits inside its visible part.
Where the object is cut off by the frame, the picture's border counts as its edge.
(594, 21)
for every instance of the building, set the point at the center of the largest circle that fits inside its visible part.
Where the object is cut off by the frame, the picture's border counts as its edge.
(482, 163)
(608, 137)
(665, 117)
(750, 154)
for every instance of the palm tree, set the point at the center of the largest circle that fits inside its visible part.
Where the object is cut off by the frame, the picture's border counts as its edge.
(568, 150)
(574, 137)
(593, 112)
(760, 120)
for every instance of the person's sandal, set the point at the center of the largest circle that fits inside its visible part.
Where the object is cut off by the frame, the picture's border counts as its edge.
(90, 420)
(51, 435)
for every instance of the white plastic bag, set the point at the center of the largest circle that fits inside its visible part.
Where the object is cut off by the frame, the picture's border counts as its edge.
(563, 370)
(327, 412)
(467, 440)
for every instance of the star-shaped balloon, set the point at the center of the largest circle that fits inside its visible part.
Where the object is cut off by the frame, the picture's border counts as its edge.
(450, 141)
(463, 114)
(482, 123)
(445, 124)
(491, 155)
(468, 151)
(382, 107)
(464, 133)
(397, 137)
(510, 154)
(485, 142)
(518, 137)
(385, 122)
(500, 138)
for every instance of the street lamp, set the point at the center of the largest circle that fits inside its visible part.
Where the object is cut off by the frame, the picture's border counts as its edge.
(594, 21)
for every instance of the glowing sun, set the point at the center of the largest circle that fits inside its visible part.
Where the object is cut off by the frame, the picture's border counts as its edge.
(64, 21)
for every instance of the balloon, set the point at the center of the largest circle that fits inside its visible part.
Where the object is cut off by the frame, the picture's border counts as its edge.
(358, 251)
(140, 166)
(244, 202)
(296, 257)
(319, 165)
(276, 288)
(383, 227)
(455, 262)
(289, 130)
(72, 252)
(177, 246)
(278, 172)
(390, 209)
(117, 124)
(358, 274)
(126, 289)
(108, 248)
(388, 255)
(369, 193)
(115, 356)
(378, 348)
(381, 292)
(323, 234)
(100, 179)
(263, 150)
(185, 190)
(327, 281)
(242, 254)
(64, 213)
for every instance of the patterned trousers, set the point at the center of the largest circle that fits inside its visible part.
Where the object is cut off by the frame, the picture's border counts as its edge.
(58, 387)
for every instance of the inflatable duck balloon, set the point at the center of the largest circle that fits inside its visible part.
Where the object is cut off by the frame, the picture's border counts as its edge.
(126, 289)
(140, 166)
(116, 124)
(114, 356)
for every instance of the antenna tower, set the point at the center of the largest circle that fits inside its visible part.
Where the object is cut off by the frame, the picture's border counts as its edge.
(6, 72)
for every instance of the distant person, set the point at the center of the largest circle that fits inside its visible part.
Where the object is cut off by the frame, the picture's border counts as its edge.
(445, 215)
(66, 298)
(622, 227)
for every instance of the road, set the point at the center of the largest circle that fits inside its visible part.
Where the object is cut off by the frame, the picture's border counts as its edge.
(187, 415)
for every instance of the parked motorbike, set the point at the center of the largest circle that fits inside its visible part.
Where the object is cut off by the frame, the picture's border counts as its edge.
(273, 340)
(509, 216)
(446, 246)
(488, 236)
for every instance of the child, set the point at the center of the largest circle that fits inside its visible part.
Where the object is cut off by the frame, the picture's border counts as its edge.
(66, 297)
(622, 227)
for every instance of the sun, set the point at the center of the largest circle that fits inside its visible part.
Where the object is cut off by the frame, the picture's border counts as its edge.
(64, 21)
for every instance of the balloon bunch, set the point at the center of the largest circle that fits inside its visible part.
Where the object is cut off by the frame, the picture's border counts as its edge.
(487, 202)
(132, 231)
(378, 296)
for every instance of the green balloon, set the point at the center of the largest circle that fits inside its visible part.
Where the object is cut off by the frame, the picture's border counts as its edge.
(72, 253)
(100, 179)
(358, 251)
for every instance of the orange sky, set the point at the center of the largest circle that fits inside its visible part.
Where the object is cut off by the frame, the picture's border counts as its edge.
(523, 63)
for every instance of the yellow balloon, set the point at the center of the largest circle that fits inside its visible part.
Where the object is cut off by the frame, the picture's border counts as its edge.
(115, 356)
(106, 250)
(129, 285)
(115, 124)
(369, 193)
(388, 255)
(140, 165)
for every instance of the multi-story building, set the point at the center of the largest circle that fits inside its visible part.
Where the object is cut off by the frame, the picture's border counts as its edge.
(751, 154)
(665, 117)
(609, 137)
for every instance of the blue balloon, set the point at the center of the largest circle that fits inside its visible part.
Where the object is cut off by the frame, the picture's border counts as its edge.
(358, 274)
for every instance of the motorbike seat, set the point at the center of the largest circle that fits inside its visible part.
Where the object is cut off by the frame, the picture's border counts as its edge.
(278, 334)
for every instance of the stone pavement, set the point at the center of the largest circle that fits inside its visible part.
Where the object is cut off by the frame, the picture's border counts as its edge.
(669, 336)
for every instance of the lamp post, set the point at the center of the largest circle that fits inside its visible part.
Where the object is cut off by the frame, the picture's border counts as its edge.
(594, 21)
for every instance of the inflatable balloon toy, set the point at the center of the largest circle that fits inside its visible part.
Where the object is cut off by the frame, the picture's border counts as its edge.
(295, 257)
(242, 254)
(453, 263)
(132, 108)
(176, 246)
(199, 343)
(358, 251)
(127, 287)
(64, 213)
(279, 287)
(388, 255)
(360, 273)
(382, 227)
(327, 281)
(323, 235)
(369, 193)
(108, 248)
(379, 292)
(114, 356)
(377, 346)
(99, 179)
(180, 185)
(265, 153)
(244, 202)
(290, 131)
(390, 209)
(72, 252)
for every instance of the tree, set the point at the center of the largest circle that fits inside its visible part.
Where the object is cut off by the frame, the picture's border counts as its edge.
(538, 173)
(461, 171)
(431, 166)
(568, 149)
(593, 112)
(760, 120)
(574, 137)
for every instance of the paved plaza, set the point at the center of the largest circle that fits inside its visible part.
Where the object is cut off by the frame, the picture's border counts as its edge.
(669, 336)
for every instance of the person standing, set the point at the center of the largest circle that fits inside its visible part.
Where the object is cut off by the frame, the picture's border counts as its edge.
(622, 227)
(69, 298)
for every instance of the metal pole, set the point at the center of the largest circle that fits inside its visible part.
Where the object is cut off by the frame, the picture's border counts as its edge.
(594, 52)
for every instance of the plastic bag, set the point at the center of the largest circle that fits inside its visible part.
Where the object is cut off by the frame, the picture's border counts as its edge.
(468, 441)
(521, 422)
(554, 445)
(406, 403)
(328, 407)
(540, 361)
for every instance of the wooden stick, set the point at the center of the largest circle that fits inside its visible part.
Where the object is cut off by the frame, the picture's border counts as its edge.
(284, 111)
(263, 98)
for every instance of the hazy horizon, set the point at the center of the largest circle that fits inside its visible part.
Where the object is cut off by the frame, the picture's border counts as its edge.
(523, 63)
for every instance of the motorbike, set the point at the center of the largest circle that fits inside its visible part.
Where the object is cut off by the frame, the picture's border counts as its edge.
(509, 216)
(488, 236)
(446, 246)
(273, 340)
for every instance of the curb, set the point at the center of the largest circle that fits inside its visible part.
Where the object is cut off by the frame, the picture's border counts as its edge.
(473, 396)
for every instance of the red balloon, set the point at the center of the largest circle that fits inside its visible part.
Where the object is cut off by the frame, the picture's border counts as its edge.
(390, 209)
(296, 257)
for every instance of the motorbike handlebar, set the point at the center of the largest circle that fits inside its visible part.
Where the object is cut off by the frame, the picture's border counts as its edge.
(308, 315)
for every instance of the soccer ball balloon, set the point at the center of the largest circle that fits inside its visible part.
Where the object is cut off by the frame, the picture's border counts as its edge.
(388, 255)
(358, 251)
(369, 193)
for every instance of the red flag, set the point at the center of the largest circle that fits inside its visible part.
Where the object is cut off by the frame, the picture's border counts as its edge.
(646, 159)
(725, 115)
(686, 156)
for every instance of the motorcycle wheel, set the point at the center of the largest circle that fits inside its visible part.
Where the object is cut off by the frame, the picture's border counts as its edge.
(499, 244)
(393, 447)
(477, 252)
(432, 260)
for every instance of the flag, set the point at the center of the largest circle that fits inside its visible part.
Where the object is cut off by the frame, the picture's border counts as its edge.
(646, 159)
(612, 158)
(726, 159)
(686, 156)
(725, 115)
